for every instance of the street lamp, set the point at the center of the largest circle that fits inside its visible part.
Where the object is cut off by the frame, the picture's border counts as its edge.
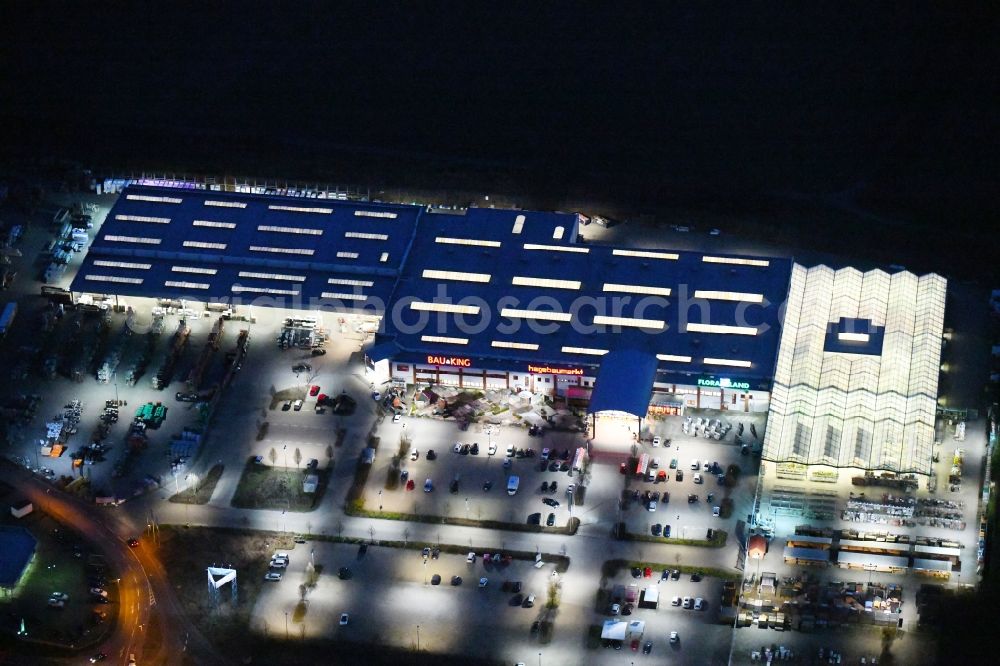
(418, 634)
(466, 508)
(286, 625)
(380, 500)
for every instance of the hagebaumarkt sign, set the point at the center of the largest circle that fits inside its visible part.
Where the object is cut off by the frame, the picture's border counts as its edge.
(548, 370)
(723, 382)
(449, 360)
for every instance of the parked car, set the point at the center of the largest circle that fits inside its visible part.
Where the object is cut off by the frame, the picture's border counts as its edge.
(397, 417)
(492, 450)
(686, 602)
(551, 520)
(414, 454)
(656, 529)
(699, 604)
(674, 638)
(428, 486)
(313, 391)
(616, 609)
(698, 479)
(550, 502)
(272, 575)
(297, 405)
(344, 619)
(431, 455)
(344, 573)
(676, 601)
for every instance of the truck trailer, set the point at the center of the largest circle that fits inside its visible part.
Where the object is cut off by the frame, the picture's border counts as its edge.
(7, 318)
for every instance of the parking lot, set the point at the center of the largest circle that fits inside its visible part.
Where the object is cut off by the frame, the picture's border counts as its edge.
(700, 638)
(676, 455)
(388, 593)
(482, 489)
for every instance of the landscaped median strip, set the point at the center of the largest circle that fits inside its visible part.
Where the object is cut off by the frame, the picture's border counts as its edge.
(611, 568)
(357, 508)
(284, 540)
(718, 540)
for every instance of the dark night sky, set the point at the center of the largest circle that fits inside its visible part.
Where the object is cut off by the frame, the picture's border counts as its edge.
(892, 103)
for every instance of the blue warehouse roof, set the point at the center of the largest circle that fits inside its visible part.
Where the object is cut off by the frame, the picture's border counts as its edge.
(505, 288)
(197, 244)
(17, 546)
(521, 294)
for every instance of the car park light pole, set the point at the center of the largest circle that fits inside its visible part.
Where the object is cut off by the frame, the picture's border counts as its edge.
(380, 500)
(466, 508)
(418, 634)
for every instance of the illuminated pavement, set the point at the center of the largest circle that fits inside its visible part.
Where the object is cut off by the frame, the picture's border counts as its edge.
(143, 593)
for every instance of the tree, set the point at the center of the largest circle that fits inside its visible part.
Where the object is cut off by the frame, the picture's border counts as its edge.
(297, 456)
(553, 595)
(272, 455)
(329, 452)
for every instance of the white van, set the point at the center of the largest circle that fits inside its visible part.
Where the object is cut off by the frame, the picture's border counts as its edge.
(512, 484)
(694, 464)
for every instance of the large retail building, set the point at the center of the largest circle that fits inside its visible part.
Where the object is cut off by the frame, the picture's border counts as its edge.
(513, 299)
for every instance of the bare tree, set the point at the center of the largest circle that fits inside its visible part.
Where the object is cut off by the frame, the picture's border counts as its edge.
(272, 455)
(329, 453)
(297, 456)
(406, 536)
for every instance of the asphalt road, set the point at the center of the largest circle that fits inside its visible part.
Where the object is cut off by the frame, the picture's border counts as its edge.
(144, 594)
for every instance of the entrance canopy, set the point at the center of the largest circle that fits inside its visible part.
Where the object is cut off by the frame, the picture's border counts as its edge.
(624, 382)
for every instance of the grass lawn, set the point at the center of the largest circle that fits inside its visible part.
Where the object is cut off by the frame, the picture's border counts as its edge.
(201, 493)
(55, 568)
(266, 487)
